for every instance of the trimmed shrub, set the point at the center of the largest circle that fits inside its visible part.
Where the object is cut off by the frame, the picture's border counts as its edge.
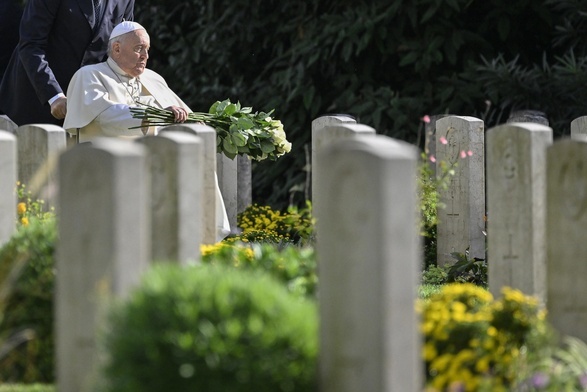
(211, 328)
(294, 266)
(29, 304)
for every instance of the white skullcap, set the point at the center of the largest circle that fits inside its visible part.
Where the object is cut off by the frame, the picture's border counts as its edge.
(125, 27)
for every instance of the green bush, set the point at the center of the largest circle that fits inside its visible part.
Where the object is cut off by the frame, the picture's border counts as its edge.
(435, 275)
(29, 304)
(473, 342)
(263, 224)
(211, 328)
(293, 265)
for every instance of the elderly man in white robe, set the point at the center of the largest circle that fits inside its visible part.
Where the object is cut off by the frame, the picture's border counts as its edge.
(100, 96)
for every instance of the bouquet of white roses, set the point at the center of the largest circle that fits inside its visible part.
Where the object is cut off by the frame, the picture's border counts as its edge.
(239, 131)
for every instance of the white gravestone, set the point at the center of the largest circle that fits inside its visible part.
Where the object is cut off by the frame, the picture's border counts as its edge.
(244, 183)
(210, 186)
(566, 231)
(462, 222)
(227, 171)
(320, 139)
(8, 199)
(37, 144)
(6, 124)
(369, 256)
(516, 205)
(103, 248)
(579, 128)
(176, 167)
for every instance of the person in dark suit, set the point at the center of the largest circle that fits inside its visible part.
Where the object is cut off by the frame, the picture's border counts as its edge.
(57, 37)
(10, 14)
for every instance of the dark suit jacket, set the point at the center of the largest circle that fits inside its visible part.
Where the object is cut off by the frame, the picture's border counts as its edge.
(57, 37)
(10, 14)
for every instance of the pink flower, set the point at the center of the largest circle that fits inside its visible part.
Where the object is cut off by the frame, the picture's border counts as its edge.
(432, 159)
(463, 154)
(470, 153)
(443, 140)
(426, 119)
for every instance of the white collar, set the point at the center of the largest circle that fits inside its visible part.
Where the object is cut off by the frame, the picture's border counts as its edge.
(118, 70)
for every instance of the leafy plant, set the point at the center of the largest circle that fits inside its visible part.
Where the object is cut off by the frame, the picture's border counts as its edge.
(28, 304)
(434, 275)
(29, 207)
(239, 131)
(263, 224)
(467, 270)
(562, 368)
(474, 342)
(211, 328)
(294, 266)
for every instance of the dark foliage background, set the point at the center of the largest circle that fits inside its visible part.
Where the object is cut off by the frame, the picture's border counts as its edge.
(387, 63)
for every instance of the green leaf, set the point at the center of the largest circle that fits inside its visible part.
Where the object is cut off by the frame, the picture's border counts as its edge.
(214, 107)
(227, 146)
(267, 146)
(408, 59)
(230, 109)
(238, 139)
(245, 123)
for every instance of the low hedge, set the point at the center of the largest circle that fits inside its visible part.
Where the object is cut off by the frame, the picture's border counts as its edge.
(29, 304)
(211, 328)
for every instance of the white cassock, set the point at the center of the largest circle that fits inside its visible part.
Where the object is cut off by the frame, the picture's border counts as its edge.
(98, 101)
(99, 97)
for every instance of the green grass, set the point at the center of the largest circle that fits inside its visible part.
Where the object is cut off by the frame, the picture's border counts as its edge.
(27, 388)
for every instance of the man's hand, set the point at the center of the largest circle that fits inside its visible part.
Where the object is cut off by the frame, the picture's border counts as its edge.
(59, 108)
(180, 113)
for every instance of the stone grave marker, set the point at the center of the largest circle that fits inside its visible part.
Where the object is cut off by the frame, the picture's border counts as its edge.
(227, 171)
(516, 205)
(326, 131)
(369, 257)
(37, 144)
(566, 231)
(320, 138)
(461, 227)
(176, 169)
(6, 124)
(210, 181)
(8, 199)
(103, 249)
(579, 128)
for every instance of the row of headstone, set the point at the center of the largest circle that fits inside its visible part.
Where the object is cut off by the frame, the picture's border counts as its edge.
(141, 199)
(37, 147)
(120, 205)
(367, 237)
(363, 196)
(536, 199)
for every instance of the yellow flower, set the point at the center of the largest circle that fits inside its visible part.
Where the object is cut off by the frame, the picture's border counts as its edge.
(429, 351)
(482, 364)
(25, 221)
(492, 331)
(21, 208)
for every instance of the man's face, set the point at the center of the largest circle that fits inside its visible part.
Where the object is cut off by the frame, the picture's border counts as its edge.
(132, 52)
